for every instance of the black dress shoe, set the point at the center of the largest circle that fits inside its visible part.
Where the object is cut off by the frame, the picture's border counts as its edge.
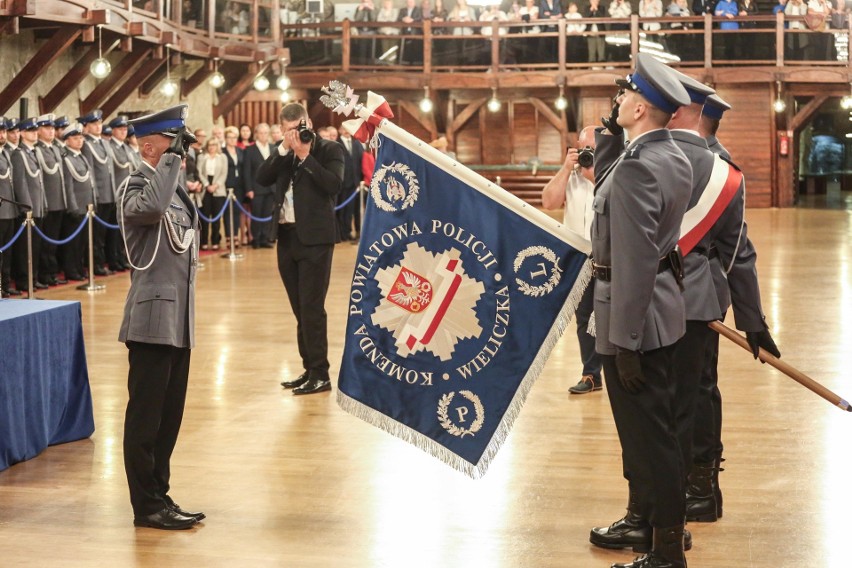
(12, 292)
(40, 286)
(166, 520)
(631, 531)
(199, 516)
(59, 281)
(313, 385)
(50, 281)
(101, 271)
(266, 245)
(75, 277)
(297, 382)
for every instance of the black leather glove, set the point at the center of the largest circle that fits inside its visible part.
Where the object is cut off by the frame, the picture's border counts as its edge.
(758, 339)
(177, 145)
(188, 139)
(611, 122)
(629, 370)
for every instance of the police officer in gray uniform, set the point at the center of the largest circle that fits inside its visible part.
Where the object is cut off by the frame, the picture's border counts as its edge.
(640, 199)
(714, 107)
(50, 160)
(81, 185)
(159, 226)
(97, 152)
(29, 184)
(728, 239)
(123, 164)
(9, 213)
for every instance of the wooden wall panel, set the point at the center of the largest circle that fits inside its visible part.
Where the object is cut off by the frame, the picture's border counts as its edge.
(549, 143)
(746, 131)
(497, 148)
(410, 123)
(525, 132)
(468, 139)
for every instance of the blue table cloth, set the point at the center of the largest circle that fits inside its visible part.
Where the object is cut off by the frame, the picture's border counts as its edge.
(44, 381)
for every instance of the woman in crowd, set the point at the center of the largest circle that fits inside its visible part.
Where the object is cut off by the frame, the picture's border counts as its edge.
(213, 173)
(234, 156)
(246, 138)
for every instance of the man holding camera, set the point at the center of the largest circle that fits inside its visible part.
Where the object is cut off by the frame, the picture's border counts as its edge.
(574, 187)
(159, 225)
(307, 172)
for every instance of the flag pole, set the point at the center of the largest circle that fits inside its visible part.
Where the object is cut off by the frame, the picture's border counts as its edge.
(785, 368)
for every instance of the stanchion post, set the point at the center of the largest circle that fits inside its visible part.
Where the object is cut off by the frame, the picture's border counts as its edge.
(231, 255)
(91, 286)
(29, 223)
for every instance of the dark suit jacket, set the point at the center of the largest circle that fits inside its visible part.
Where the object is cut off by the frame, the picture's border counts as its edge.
(316, 183)
(252, 159)
(416, 15)
(235, 173)
(352, 174)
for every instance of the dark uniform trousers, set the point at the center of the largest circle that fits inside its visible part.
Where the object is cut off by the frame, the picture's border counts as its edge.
(74, 255)
(653, 460)
(51, 226)
(707, 424)
(106, 240)
(688, 366)
(590, 357)
(7, 231)
(20, 254)
(157, 383)
(306, 271)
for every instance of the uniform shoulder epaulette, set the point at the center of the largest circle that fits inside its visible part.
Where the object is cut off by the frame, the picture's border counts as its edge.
(730, 161)
(633, 152)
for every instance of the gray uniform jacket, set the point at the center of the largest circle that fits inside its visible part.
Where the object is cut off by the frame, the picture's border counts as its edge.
(123, 163)
(720, 278)
(26, 177)
(716, 147)
(81, 182)
(100, 158)
(160, 305)
(7, 190)
(639, 203)
(50, 161)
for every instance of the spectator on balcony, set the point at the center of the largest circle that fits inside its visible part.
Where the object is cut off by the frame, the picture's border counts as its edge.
(651, 9)
(439, 15)
(753, 46)
(464, 50)
(680, 45)
(817, 20)
(411, 49)
(550, 10)
(363, 50)
(619, 10)
(727, 44)
(796, 41)
(576, 45)
(596, 43)
(387, 13)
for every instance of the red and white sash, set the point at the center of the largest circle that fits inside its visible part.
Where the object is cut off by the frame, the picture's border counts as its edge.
(724, 181)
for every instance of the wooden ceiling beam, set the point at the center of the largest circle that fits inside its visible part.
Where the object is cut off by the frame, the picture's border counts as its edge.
(123, 92)
(197, 78)
(38, 64)
(236, 92)
(124, 69)
(806, 112)
(149, 84)
(71, 80)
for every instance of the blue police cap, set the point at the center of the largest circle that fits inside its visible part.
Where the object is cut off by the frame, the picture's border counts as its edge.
(28, 124)
(93, 116)
(131, 131)
(118, 121)
(45, 120)
(656, 83)
(698, 91)
(714, 107)
(72, 130)
(61, 122)
(2, 123)
(166, 121)
(106, 131)
(11, 124)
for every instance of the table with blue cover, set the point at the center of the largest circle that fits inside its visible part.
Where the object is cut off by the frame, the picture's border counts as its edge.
(44, 381)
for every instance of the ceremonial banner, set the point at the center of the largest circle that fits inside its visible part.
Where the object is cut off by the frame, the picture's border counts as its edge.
(459, 293)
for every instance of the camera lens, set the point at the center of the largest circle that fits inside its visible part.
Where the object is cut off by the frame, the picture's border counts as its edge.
(586, 157)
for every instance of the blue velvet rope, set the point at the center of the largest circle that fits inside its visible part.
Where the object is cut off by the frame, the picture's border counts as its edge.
(6, 247)
(63, 241)
(348, 200)
(250, 216)
(105, 224)
(216, 217)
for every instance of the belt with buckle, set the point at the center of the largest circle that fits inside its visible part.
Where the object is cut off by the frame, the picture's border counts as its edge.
(604, 273)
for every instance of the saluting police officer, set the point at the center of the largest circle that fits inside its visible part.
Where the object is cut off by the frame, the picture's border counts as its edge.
(98, 153)
(9, 213)
(640, 199)
(50, 160)
(81, 194)
(159, 225)
(29, 184)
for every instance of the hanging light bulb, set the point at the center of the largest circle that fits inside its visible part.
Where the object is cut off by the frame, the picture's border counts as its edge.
(494, 103)
(261, 83)
(779, 105)
(285, 97)
(561, 102)
(282, 82)
(846, 102)
(216, 79)
(100, 67)
(169, 88)
(426, 104)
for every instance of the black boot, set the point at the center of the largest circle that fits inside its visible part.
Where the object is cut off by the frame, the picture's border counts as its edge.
(631, 531)
(716, 491)
(666, 553)
(701, 503)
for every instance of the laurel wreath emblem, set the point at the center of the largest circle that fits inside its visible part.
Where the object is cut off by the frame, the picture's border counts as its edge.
(408, 197)
(543, 289)
(447, 423)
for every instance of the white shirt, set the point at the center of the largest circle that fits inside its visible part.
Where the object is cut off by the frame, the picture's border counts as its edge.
(579, 195)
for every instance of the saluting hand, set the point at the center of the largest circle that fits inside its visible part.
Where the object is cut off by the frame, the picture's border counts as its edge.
(629, 370)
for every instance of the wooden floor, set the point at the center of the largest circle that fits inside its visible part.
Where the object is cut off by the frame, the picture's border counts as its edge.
(296, 482)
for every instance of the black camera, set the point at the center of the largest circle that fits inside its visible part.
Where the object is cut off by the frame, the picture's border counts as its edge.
(306, 135)
(586, 157)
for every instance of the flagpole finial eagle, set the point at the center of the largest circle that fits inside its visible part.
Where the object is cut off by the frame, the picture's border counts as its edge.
(339, 97)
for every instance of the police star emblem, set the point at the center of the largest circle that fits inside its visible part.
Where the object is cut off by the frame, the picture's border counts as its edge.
(428, 302)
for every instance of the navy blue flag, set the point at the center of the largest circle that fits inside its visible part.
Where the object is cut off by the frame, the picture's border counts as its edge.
(460, 292)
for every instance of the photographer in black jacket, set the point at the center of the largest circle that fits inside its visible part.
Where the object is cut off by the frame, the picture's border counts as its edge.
(308, 174)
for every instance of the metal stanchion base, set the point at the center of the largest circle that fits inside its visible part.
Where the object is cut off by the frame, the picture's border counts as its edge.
(91, 287)
(233, 256)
